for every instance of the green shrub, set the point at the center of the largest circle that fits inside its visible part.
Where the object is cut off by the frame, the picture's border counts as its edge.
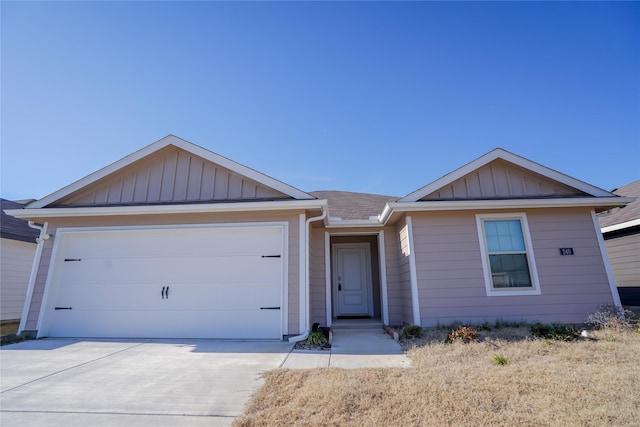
(463, 334)
(316, 338)
(554, 331)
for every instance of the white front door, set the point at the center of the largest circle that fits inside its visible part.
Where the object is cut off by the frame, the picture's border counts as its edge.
(352, 288)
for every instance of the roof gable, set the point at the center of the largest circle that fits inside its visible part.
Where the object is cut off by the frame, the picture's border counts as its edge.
(500, 174)
(170, 170)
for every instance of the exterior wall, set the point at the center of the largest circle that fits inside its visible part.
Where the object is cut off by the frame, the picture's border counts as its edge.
(501, 179)
(170, 175)
(16, 261)
(403, 308)
(450, 275)
(624, 255)
(145, 220)
(318, 272)
(317, 277)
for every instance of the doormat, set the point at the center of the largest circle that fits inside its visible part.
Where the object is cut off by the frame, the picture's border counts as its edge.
(354, 317)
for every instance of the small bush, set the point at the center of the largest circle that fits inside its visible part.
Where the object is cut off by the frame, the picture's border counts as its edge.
(610, 317)
(411, 331)
(554, 331)
(463, 334)
(316, 338)
(500, 360)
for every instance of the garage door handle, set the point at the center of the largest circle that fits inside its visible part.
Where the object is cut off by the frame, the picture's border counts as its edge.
(269, 308)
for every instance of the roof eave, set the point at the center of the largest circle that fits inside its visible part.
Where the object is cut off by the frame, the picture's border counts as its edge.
(47, 213)
(431, 206)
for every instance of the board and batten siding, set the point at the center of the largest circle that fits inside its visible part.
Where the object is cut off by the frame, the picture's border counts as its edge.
(624, 254)
(16, 261)
(501, 179)
(170, 175)
(451, 282)
(247, 218)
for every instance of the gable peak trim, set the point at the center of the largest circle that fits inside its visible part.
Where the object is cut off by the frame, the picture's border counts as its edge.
(172, 140)
(500, 153)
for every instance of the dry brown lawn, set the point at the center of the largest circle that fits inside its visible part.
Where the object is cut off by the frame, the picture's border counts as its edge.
(546, 383)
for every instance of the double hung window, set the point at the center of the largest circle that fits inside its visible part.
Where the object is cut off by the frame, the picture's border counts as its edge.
(508, 262)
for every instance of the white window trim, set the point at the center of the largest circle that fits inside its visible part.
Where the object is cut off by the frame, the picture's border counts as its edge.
(531, 259)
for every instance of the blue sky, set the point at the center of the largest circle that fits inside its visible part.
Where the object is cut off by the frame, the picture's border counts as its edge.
(379, 97)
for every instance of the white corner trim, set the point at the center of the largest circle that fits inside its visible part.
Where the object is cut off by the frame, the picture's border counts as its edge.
(607, 263)
(382, 260)
(302, 274)
(499, 153)
(533, 269)
(184, 145)
(327, 277)
(621, 226)
(413, 274)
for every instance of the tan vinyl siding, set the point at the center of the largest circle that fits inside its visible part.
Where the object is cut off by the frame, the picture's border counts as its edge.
(292, 218)
(624, 255)
(16, 261)
(170, 175)
(317, 277)
(500, 179)
(403, 314)
(394, 282)
(450, 275)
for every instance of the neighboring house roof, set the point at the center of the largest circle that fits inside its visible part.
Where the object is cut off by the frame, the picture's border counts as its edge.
(13, 228)
(353, 206)
(625, 216)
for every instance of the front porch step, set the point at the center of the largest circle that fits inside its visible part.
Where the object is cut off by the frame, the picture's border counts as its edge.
(356, 324)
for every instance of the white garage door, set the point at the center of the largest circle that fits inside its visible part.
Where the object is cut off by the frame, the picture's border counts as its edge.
(169, 283)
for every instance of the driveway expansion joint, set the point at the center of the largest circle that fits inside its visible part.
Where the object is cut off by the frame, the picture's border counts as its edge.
(72, 367)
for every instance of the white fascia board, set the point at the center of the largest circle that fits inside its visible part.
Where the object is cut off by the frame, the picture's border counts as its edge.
(499, 153)
(184, 145)
(354, 223)
(429, 206)
(28, 213)
(621, 226)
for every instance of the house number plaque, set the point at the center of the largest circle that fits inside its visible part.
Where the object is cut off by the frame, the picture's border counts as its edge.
(566, 251)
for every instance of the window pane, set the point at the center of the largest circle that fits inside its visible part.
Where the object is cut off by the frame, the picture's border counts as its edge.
(504, 235)
(510, 271)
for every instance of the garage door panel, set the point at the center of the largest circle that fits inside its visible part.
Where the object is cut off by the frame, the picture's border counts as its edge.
(218, 281)
(163, 324)
(187, 243)
(164, 271)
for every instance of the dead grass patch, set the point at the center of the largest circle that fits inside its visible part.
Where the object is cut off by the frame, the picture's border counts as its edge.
(546, 383)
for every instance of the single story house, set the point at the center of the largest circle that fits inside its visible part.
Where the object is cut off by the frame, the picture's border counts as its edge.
(621, 230)
(177, 241)
(17, 251)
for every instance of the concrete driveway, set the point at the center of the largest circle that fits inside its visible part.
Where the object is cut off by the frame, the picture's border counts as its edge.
(71, 382)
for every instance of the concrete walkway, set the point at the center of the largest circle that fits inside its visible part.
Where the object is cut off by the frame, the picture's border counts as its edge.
(350, 349)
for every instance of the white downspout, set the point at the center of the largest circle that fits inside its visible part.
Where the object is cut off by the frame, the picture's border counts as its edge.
(34, 272)
(304, 311)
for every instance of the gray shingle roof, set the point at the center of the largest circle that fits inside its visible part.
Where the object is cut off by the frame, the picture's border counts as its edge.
(626, 213)
(13, 228)
(351, 206)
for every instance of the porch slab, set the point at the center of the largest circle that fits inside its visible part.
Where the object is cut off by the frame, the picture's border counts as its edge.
(352, 349)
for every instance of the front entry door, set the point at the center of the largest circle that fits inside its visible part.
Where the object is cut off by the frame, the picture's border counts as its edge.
(352, 288)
